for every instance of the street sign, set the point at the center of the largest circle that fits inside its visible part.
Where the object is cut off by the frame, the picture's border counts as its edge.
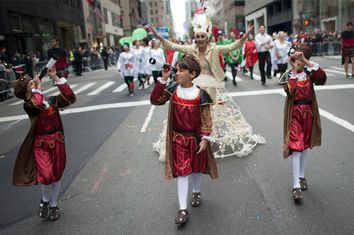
(163, 31)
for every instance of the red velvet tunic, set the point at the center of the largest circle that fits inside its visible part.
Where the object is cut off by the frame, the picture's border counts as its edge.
(302, 113)
(186, 117)
(48, 145)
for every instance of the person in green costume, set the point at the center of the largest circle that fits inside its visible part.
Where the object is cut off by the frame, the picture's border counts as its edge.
(233, 58)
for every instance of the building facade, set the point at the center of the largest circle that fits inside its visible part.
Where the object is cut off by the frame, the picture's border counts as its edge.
(27, 26)
(131, 14)
(234, 14)
(297, 15)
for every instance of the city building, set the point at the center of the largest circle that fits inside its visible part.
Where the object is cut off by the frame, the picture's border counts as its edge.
(234, 15)
(295, 16)
(27, 26)
(131, 14)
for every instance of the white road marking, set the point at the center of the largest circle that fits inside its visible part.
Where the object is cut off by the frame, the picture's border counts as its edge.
(58, 92)
(337, 120)
(323, 113)
(122, 87)
(148, 119)
(101, 88)
(81, 89)
(229, 76)
(334, 71)
(338, 68)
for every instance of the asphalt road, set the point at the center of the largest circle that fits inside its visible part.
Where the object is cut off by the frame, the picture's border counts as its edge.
(113, 183)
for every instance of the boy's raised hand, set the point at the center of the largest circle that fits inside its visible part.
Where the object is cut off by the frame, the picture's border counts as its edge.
(166, 73)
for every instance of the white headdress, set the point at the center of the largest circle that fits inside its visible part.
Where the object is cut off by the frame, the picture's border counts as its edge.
(201, 22)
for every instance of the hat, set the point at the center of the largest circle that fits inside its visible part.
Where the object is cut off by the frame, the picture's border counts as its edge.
(20, 87)
(304, 48)
(202, 23)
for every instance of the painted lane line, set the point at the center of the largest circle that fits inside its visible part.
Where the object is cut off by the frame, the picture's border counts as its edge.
(148, 119)
(101, 88)
(334, 71)
(147, 102)
(337, 120)
(122, 87)
(81, 89)
(58, 92)
(338, 68)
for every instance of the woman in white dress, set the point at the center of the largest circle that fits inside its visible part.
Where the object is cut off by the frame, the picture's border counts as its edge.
(281, 48)
(126, 67)
(231, 133)
(157, 53)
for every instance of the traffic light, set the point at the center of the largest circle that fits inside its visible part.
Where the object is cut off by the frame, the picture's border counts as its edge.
(306, 22)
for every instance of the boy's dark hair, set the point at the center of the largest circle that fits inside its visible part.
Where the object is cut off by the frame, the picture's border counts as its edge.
(349, 24)
(54, 38)
(190, 63)
(306, 49)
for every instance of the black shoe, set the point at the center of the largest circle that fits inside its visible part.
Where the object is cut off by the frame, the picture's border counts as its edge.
(263, 83)
(43, 209)
(182, 216)
(297, 194)
(269, 77)
(54, 213)
(234, 82)
(303, 184)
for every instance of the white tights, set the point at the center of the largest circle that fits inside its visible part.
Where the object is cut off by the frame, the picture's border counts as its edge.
(299, 160)
(50, 193)
(182, 185)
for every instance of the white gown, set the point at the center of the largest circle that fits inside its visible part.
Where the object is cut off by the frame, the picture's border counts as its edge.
(232, 135)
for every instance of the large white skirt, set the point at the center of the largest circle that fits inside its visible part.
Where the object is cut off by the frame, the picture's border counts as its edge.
(231, 136)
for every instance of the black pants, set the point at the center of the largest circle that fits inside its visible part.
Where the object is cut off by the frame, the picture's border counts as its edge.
(282, 68)
(78, 68)
(251, 72)
(105, 62)
(129, 80)
(141, 78)
(156, 74)
(264, 57)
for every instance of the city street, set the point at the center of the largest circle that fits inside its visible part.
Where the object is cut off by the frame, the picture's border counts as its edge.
(114, 184)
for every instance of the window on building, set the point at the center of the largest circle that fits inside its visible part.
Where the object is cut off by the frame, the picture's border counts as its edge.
(150, 4)
(105, 15)
(151, 12)
(156, 12)
(155, 4)
(27, 25)
(15, 22)
(116, 20)
(239, 3)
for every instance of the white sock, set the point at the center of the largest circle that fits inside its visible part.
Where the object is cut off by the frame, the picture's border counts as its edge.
(295, 160)
(197, 180)
(182, 185)
(54, 193)
(303, 161)
(45, 192)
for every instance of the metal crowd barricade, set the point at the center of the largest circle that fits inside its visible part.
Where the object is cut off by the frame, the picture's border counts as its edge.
(325, 48)
(6, 84)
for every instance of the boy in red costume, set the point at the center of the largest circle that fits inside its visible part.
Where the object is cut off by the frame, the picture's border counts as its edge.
(41, 158)
(188, 151)
(302, 125)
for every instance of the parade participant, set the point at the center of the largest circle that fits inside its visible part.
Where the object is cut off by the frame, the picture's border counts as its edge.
(264, 44)
(140, 65)
(188, 151)
(42, 158)
(146, 64)
(157, 53)
(231, 128)
(61, 54)
(281, 48)
(347, 45)
(233, 59)
(302, 126)
(251, 55)
(126, 67)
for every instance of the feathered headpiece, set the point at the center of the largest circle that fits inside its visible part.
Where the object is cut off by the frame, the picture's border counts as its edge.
(201, 22)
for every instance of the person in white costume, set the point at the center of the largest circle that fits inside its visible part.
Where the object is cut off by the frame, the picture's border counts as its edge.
(126, 67)
(281, 48)
(140, 65)
(232, 135)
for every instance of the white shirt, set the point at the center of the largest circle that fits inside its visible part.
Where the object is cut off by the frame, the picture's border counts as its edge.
(158, 55)
(139, 57)
(260, 39)
(281, 51)
(126, 64)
